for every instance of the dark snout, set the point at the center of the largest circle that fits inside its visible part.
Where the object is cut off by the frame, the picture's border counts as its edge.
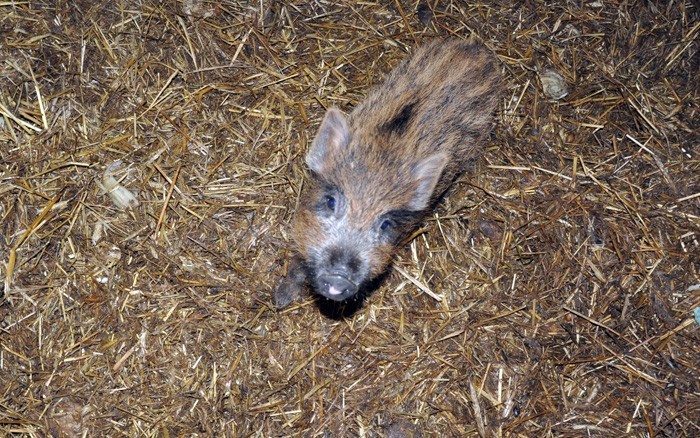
(340, 275)
(336, 287)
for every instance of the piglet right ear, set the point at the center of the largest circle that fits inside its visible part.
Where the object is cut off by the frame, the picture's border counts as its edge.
(426, 174)
(333, 136)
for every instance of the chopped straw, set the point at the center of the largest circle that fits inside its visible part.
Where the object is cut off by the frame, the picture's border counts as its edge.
(550, 294)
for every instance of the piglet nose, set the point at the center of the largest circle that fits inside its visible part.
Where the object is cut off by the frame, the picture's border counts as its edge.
(337, 287)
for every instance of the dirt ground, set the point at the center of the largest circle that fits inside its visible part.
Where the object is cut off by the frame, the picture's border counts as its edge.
(151, 159)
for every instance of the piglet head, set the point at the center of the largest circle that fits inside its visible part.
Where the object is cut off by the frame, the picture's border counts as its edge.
(362, 201)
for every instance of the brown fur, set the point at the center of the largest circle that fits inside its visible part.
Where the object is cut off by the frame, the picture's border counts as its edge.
(390, 160)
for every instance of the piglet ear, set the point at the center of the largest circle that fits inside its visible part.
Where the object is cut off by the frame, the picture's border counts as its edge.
(333, 136)
(426, 174)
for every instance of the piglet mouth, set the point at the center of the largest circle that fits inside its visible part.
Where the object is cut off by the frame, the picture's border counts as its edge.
(336, 287)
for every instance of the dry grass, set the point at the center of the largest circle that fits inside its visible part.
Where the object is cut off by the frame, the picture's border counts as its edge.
(566, 263)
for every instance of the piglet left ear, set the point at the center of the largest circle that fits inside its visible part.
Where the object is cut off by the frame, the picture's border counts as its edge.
(426, 174)
(333, 135)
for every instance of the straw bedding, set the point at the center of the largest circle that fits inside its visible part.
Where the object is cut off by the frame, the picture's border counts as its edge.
(151, 158)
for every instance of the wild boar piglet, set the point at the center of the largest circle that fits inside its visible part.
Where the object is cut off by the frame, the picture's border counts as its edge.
(377, 172)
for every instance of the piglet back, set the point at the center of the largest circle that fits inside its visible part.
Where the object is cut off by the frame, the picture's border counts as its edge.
(440, 100)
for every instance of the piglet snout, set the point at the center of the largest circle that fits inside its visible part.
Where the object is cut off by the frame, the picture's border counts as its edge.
(336, 287)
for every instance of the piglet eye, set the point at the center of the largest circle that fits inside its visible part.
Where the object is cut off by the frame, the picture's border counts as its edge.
(385, 225)
(330, 202)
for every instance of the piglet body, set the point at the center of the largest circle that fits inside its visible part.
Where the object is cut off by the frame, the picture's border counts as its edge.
(377, 172)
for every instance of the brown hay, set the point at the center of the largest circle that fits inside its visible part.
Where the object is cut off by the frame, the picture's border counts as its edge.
(566, 263)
